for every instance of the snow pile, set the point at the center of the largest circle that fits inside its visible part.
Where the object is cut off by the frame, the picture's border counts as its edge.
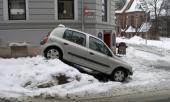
(135, 39)
(163, 44)
(19, 44)
(37, 75)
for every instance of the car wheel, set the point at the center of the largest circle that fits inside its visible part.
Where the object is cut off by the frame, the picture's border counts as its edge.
(119, 75)
(53, 53)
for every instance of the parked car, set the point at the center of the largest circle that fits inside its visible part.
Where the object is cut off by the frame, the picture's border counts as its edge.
(85, 50)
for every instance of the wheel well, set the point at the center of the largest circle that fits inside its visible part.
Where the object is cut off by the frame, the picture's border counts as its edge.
(121, 68)
(56, 47)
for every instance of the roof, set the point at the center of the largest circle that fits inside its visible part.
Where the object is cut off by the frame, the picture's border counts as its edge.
(145, 27)
(124, 7)
(130, 29)
(136, 6)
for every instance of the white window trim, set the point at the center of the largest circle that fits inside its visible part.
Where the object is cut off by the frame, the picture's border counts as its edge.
(75, 10)
(5, 10)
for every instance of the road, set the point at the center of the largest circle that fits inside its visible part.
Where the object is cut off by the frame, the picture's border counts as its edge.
(149, 96)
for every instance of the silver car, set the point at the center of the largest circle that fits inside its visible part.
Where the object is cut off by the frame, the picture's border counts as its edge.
(85, 50)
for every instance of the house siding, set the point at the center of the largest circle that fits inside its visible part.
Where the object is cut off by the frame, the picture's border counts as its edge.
(41, 9)
(1, 10)
(41, 19)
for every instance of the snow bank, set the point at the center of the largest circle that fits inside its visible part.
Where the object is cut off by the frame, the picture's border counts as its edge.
(19, 44)
(165, 44)
(37, 75)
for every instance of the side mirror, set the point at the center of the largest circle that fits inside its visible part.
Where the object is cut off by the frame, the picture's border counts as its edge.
(109, 53)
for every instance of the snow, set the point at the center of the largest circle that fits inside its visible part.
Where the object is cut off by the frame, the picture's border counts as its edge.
(130, 29)
(19, 44)
(145, 27)
(136, 6)
(163, 44)
(24, 76)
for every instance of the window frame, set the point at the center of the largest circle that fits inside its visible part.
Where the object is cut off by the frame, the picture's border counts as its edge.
(6, 13)
(104, 45)
(75, 41)
(75, 11)
(71, 18)
(9, 14)
(105, 16)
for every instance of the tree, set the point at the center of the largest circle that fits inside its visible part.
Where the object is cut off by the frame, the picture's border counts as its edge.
(120, 4)
(166, 6)
(156, 9)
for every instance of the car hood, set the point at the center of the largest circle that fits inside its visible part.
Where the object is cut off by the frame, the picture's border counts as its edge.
(122, 63)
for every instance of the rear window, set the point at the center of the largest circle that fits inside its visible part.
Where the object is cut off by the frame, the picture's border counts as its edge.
(76, 37)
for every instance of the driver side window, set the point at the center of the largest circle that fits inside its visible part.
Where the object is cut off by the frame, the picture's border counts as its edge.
(98, 46)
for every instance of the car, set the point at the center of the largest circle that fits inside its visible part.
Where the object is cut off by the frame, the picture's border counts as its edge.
(86, 50)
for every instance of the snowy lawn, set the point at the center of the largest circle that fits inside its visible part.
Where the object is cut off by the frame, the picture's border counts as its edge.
(53, 79)
(162, 43)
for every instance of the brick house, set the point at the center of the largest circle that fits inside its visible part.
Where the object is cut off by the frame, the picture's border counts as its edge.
(130, 18)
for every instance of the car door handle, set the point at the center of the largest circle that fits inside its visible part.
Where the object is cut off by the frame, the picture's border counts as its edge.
(66, 44)
(91, 53)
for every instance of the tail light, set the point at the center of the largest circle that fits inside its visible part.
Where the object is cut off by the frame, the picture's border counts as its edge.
(45, 39)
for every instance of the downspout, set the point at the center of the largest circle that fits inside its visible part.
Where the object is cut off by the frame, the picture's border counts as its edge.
(82, 16)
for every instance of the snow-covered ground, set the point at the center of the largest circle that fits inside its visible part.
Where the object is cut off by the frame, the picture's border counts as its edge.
(39, 77)
(162, 43)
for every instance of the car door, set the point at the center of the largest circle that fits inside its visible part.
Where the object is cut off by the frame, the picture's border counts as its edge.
(99, 56)
(74, 46)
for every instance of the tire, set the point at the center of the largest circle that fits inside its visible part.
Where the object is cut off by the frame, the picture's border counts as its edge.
(119, 75)
(53, 53)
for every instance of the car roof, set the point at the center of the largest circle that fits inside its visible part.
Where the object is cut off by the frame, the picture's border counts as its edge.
(66, 28)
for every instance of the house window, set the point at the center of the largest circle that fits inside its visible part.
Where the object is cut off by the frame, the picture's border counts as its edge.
(100, 35)
(104, 10)
(65, 9)
(16, 9)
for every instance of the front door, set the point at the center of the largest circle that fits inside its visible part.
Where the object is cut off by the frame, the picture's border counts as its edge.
(107, 39)
(98, 56)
